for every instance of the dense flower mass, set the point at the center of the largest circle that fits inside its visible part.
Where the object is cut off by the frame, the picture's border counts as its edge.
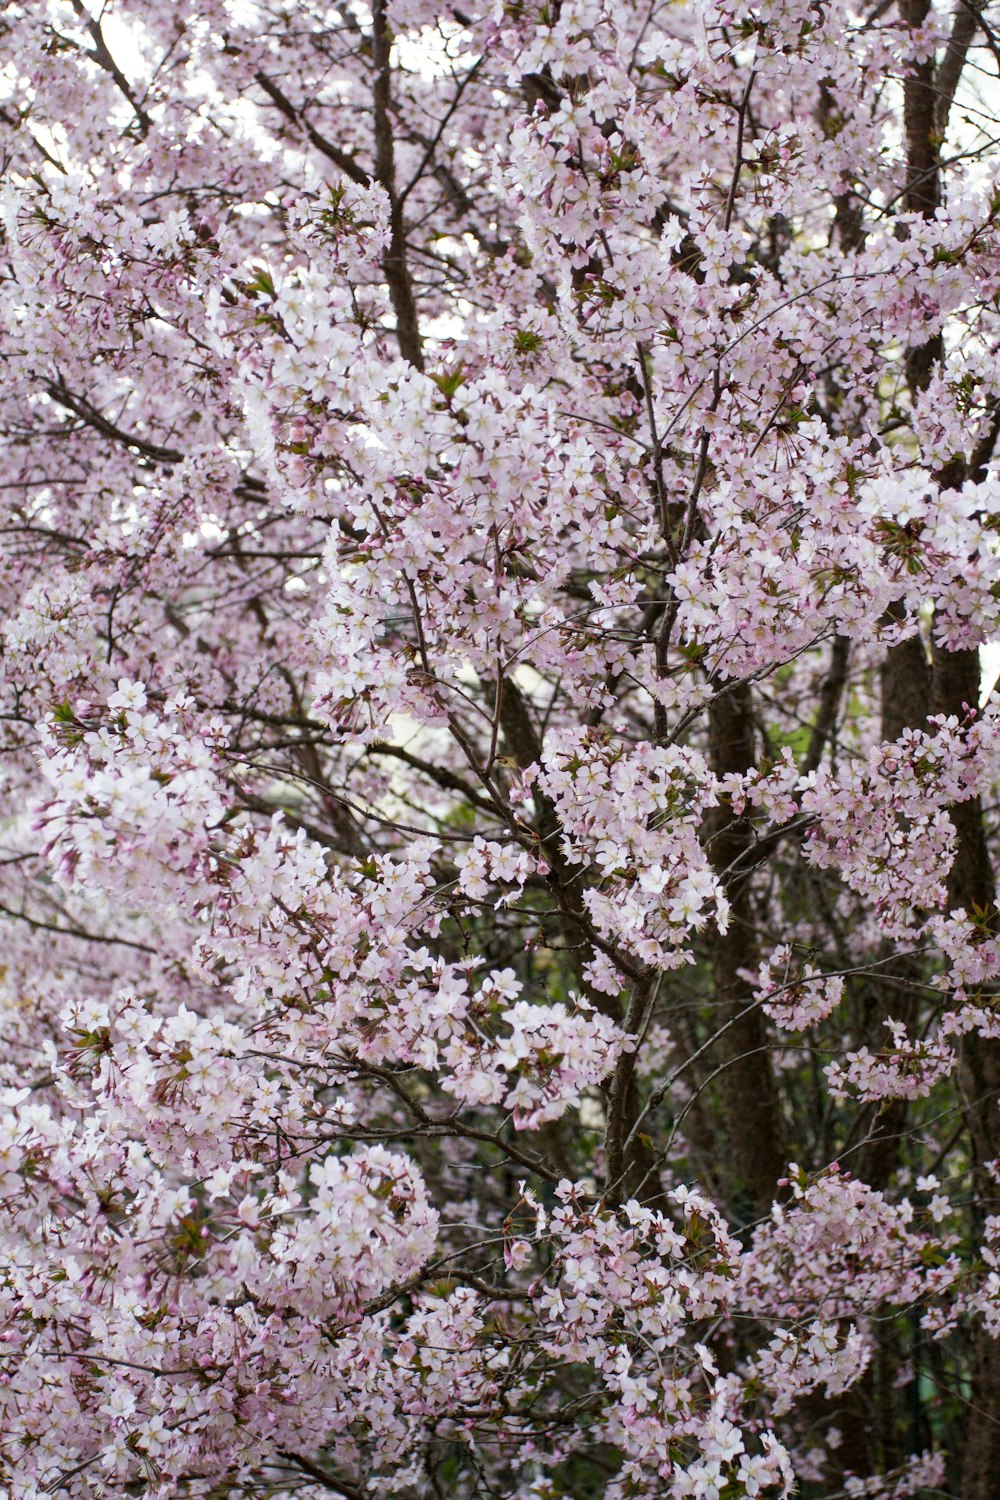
(498, 808)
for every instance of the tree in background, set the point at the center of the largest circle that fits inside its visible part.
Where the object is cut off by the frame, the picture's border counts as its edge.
(501, 950)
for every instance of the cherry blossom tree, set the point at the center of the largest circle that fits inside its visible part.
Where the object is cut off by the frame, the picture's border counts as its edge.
(500, 943)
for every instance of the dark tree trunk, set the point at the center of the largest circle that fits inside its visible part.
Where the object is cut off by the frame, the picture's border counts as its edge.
(748, 1091)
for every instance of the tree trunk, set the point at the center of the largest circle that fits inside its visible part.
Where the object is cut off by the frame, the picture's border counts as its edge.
(972, 884)
(748, 1092)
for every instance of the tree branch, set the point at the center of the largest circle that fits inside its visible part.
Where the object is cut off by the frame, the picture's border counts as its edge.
(394, 262)
(340, 159)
